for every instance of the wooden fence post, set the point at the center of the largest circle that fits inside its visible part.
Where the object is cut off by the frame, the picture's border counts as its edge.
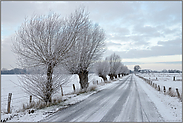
(164, 89)
(61, 90)
(30, 98)
(174, 78)
(9, 101)
(169, 89)
(177, 93)
(155, 86)
(74, 87)
(158, 88)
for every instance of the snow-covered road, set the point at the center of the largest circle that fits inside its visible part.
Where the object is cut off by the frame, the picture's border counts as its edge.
(125, 101)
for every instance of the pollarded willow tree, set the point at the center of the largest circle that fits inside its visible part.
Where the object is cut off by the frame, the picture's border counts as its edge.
(136, 68)
(46, 42)
(114, 63)
(87, 49)
(123, 70)
(120, 69)
(102, 69)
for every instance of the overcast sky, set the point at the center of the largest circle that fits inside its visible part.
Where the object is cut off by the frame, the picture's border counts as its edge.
(145, 33)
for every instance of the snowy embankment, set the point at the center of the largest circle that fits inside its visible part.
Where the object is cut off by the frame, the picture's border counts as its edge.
(9, 84)
(166, 79)
(169, 107)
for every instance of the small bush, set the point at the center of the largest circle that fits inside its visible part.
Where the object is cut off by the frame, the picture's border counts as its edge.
(40, 104)
(92, 88)
(171, 93)
(107, 81)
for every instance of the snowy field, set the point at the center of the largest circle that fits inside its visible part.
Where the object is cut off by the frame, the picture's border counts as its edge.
(165, 79)
(10, 84)
(170, 108)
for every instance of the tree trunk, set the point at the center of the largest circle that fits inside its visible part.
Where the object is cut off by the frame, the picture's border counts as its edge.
(111, 76)
(49, 88)
(83, 79)
(119, 75)
(104, 78)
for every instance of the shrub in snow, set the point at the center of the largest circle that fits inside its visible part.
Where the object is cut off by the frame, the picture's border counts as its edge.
(92, 88)
(40, 104)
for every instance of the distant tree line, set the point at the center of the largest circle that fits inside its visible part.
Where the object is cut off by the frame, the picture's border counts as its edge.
(171, 71)
(163, 71)
(14, 71)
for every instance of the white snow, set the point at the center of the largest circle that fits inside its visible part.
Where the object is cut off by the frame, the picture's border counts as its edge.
(9, 84)
(165, 79)
(170, 108)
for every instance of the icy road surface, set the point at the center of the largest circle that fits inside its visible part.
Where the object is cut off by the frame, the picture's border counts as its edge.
(126, 101)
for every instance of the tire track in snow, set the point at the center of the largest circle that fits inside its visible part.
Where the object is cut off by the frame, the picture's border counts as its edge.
(124, 102)
(117, 107)
(131, 110)
(88, 104)
(149, 110)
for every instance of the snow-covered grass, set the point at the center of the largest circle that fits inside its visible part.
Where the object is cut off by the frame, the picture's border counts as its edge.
(9, 84)
(170, 108)
(165, 79)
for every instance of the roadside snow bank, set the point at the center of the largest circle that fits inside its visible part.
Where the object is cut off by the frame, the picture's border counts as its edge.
(170, 108)
(69, 99)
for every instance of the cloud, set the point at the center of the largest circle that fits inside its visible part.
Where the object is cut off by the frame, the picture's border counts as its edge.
(177, 43)
(175, 62)
(171, 47)
(134, 29)
(134, 63)
(8, 58)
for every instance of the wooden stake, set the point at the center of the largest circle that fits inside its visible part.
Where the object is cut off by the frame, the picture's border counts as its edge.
(30, 98)
(164, 89)
(169, 89)
(74, 87)
(158, 88)
(9, 101)
(61, 90)
(177, 93)
(174, 78)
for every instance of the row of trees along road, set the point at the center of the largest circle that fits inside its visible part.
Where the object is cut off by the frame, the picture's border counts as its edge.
(111, 66)
(51, 43)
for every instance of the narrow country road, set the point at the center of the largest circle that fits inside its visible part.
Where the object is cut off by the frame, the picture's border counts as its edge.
(124, 102)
